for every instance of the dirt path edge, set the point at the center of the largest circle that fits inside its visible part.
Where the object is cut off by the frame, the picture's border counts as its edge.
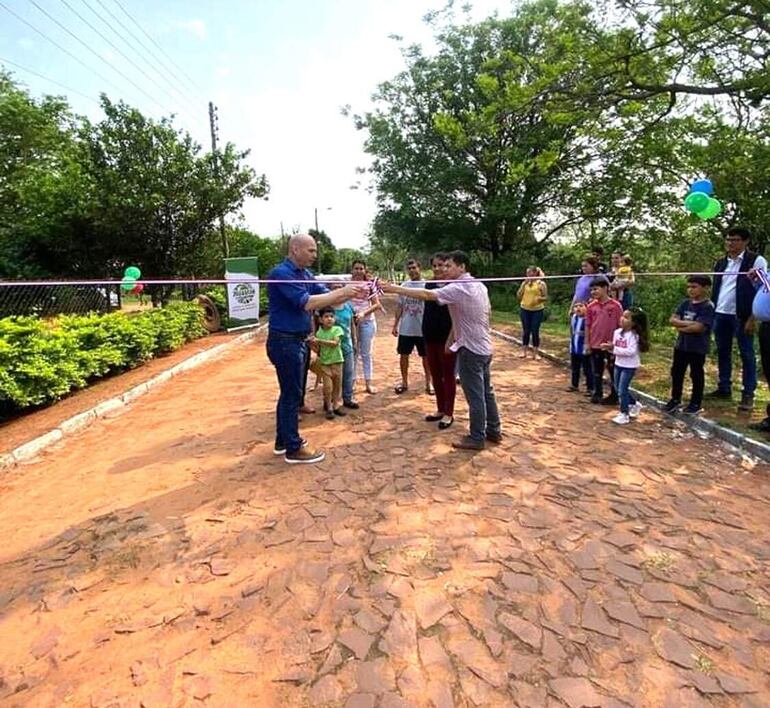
(704, 426)
(117, 404)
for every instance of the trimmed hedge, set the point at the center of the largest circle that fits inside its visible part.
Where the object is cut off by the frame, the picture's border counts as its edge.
(42, 360)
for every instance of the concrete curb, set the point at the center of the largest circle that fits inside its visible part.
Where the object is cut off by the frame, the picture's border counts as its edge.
(702, 425)
(117, 404)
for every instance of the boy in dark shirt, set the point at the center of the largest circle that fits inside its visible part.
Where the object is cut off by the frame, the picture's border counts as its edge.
(693, 320)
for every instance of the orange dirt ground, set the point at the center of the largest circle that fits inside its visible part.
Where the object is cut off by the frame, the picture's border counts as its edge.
(167, 558)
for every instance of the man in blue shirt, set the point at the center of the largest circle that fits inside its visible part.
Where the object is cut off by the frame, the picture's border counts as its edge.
(290, 310)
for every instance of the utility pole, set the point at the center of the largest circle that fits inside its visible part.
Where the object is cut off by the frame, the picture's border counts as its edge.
(213, 123)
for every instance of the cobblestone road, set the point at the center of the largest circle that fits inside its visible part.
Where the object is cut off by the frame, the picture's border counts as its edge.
(166, 557)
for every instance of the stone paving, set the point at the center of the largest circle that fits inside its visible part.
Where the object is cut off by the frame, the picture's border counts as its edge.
(166, 557)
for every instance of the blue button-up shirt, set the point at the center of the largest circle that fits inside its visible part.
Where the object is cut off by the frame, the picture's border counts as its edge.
(286, 308)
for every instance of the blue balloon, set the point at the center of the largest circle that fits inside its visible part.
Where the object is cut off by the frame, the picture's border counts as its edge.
(760, 308)
(703, 185)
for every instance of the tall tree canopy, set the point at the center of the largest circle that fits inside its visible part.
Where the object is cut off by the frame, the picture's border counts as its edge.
(84, 199)
(573, 120)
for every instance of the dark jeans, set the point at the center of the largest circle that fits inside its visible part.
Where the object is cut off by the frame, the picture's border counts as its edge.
(477, 387)
(306, 368)
(530, 326)
(441, 365)
(678, 368)
(287, 353)
(578, 362)
(727, 327)
(764, 354)
(622, 377)
(599, 358)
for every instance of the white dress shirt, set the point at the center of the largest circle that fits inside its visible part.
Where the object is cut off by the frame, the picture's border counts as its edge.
(726, 302)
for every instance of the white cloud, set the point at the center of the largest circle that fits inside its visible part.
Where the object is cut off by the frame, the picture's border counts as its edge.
(196, 27)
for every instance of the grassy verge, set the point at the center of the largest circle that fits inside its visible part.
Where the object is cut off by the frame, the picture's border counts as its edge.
(654, 377)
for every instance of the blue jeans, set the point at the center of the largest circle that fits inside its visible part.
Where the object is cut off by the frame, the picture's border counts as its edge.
(725, 328)
(623, 378)
(287, 354)
(530, 326)
(477, 387)
(366, 332)
(348, 374)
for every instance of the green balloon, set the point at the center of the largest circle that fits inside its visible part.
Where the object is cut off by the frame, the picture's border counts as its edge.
(696, 202)
(713, 208)
(128, 283)
(133, 272)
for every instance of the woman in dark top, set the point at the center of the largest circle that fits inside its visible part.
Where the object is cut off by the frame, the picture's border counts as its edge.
(436, 328)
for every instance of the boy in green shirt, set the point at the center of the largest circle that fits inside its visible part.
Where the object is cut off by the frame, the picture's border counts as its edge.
(328, 365)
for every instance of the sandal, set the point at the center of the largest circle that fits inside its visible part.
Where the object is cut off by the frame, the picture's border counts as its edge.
(401, 389)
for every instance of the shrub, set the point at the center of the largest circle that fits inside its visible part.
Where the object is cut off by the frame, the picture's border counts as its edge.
(42, 361)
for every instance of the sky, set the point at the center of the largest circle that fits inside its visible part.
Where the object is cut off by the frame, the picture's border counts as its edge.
(279, 72)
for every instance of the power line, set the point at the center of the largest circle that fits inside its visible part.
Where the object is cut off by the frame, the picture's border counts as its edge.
(148, 49)
(111, 43)
(118, 71)
(57, 45)
(163, 51)
(45, 78)
(170, 82)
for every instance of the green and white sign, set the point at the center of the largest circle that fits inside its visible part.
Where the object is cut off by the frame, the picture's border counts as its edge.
(242, 296)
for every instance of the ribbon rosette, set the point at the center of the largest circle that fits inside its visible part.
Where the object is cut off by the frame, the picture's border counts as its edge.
(375, 288)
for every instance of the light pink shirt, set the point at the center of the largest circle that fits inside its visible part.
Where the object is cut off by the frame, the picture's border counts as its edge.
(468, 303)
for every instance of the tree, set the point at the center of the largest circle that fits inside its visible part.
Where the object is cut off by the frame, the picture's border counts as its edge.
(243, 242)
(86, 199)
(158, 197)
(327, 252)
(467, 144)
(701, 47)
(42, 189)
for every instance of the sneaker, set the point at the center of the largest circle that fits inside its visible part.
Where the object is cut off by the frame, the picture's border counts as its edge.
(303, 456)
(747, 404)
(282, 450)
(353, 405)
(571, 389)
(339, 412)
(329, 414)
(611, 400)
(621, 419)
(672, 406)
(596, 399)
(468, 443)
(495, 438)
(693, 410)
(720, 394)
(635, 410)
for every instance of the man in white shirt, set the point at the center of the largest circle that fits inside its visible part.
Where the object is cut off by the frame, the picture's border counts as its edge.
(733, 295)
(408, 328)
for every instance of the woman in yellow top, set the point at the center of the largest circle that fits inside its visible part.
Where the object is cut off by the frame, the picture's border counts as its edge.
(532, 295)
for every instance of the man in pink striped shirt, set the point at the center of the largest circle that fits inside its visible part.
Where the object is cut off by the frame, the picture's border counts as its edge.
(468, 302)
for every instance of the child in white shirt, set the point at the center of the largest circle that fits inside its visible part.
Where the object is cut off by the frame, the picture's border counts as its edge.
(628, 341)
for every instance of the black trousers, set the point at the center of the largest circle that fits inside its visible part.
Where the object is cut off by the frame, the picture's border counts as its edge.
(600, 358)
(582, 362)
(678, 368)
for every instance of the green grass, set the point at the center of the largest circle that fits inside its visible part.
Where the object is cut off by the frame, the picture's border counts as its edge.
(654, 376)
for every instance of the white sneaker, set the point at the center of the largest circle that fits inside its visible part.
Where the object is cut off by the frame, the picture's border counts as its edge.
(621, 419)
(635, 410)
